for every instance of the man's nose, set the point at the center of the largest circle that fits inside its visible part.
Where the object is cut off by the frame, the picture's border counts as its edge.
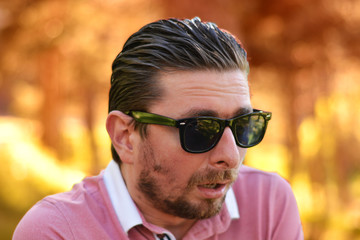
(226, 154)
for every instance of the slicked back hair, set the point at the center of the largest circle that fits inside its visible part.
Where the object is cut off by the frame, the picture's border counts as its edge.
(168, 45)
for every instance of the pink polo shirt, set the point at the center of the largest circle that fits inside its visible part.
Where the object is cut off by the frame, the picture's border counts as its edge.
(260, 206)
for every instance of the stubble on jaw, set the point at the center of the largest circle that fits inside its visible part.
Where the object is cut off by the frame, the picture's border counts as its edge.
(179, 205)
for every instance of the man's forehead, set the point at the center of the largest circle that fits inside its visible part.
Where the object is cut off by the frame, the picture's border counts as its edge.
(203, 93)
(199, 82)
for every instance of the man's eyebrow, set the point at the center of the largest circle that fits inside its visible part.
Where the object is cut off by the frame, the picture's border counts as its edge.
(212, 113)
(242, 111)
(200, 113)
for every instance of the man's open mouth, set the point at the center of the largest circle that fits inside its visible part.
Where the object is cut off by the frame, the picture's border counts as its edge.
(212, 186)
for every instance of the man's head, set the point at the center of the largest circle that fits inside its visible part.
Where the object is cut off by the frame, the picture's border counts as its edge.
(165, 46)
(186, 81)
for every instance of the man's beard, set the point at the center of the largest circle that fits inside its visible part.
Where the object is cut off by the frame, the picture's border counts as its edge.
(177, 203)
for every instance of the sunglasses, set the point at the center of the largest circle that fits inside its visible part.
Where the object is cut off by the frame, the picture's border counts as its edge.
(201, 134)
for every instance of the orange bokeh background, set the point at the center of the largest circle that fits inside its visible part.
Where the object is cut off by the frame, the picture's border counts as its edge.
(55, 67)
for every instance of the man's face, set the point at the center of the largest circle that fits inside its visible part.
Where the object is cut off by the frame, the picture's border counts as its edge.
(183, 184)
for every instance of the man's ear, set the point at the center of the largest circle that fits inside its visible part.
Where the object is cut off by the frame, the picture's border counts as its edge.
(120, 128)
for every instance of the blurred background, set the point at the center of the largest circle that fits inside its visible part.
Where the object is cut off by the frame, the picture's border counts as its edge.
(55, 66)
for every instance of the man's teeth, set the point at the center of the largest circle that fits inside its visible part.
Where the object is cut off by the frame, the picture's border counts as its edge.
(210, 185)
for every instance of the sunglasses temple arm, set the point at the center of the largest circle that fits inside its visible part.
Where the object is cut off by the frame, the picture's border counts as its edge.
(151, 118)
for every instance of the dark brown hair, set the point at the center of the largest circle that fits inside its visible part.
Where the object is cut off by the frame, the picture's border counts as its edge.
(164, 45)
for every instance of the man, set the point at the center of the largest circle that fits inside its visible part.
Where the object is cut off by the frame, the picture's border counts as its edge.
(180, 120)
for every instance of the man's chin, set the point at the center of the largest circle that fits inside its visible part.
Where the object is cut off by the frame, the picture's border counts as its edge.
(204, 209)
(214, 206)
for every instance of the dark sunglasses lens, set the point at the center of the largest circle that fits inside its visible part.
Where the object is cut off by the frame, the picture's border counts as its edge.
(201, 134)
(250, 130)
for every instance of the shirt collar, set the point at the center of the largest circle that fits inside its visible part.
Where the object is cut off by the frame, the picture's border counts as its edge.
(231, 204)
(121, 200)
(129, 216)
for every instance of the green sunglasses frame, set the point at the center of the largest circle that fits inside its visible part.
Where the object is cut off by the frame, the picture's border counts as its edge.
(151, 118)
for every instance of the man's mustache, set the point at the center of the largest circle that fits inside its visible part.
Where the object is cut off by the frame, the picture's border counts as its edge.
(213, 176)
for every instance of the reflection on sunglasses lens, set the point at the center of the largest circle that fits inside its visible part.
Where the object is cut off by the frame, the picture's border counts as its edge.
(250, 129)
(201, 134)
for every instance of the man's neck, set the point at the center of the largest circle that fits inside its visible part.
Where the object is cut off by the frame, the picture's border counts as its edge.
(176, 225)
